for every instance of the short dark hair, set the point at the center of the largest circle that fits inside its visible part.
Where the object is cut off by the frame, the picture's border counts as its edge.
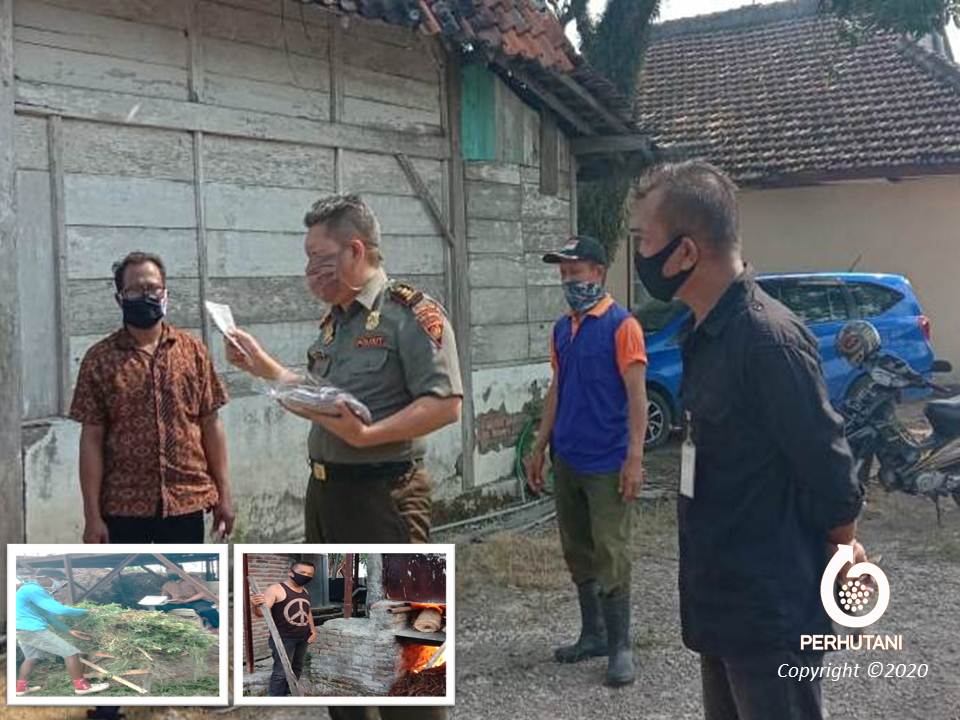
(136, 258)
(698, 199)
(294, 564)
(345, 217)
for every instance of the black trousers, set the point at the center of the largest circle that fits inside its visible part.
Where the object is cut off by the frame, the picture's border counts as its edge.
(177, 529)
(750, 688)
(296, 650)
(203, 608)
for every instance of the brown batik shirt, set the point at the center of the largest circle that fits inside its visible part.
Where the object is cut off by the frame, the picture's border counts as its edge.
(151, 407)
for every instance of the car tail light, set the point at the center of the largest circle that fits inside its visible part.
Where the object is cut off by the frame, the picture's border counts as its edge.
(924, 322)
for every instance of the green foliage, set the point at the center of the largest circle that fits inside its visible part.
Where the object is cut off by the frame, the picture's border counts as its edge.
(119, 631)
(179, 652)
(614, 46)
(915, 18)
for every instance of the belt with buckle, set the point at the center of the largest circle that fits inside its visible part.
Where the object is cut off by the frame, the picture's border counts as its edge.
(327, 471)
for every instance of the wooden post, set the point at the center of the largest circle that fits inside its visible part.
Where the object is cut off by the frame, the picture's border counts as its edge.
(323, 570)
(292, 680)
(68, 571)
(195, 53)
(11, 402)
(203, 271)
(114, 677)
(348, 585)
(460, 302)
(108, 577)
(247, 620)
(58, 223)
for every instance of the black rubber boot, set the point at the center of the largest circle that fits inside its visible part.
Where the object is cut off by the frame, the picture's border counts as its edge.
(616, 615)
(593, 636)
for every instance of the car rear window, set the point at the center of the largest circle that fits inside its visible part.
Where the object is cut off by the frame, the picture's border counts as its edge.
(814, 301)
(655, 315)
(871, 299)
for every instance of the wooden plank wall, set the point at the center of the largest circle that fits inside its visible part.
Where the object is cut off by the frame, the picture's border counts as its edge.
(514, 297)
(203, 131)
(11, 470)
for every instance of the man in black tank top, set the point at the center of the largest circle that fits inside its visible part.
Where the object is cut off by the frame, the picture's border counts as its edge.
(289, 606)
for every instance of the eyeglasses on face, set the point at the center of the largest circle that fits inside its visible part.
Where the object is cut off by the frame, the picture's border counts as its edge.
(152, 292)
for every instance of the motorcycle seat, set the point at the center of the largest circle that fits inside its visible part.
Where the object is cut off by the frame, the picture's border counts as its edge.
(944, 416)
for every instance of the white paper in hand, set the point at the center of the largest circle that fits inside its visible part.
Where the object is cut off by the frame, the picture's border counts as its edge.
(151, 600)
(222, 317)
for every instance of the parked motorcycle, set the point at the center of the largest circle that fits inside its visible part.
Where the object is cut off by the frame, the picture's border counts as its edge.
(913, 461)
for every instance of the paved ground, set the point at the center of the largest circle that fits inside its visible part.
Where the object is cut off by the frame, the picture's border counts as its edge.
(515, 604)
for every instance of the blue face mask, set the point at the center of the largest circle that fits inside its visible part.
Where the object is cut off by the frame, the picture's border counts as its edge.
(581, 295)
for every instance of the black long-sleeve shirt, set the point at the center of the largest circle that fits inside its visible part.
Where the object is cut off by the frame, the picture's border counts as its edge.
(773, 475)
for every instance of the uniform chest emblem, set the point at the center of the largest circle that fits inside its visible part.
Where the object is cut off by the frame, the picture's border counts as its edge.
(372, 341)
(373, 320)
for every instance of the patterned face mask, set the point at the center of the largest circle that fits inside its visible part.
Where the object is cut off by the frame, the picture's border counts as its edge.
(581, 295)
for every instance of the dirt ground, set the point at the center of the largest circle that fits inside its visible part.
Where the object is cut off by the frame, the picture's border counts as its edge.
(514, 603)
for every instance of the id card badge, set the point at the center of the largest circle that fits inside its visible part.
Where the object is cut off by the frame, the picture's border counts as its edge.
(688, 463)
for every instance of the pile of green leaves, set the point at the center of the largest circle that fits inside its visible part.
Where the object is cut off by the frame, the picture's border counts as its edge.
(179, 653)
(120, 631)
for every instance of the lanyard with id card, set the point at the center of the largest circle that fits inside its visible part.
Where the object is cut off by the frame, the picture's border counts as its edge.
(688, 461)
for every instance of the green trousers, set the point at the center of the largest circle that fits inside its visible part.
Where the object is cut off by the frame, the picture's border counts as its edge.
(595, 527)
(361, 508)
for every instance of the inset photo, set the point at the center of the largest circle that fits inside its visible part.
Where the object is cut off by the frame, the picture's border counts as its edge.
(344, 625)
(117, 624)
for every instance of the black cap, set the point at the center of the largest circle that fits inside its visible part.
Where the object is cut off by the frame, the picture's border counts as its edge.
(579, 247)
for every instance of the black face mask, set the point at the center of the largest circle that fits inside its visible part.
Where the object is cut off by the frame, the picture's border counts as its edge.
(301, 579)
(650, 272)
(143, 312)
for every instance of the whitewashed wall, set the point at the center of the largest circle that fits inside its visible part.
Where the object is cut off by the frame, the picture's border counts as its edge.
(203, 131)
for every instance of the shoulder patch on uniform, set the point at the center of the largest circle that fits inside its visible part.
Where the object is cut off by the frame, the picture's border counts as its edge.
(429, 316)
(428, 312)
(405, 294)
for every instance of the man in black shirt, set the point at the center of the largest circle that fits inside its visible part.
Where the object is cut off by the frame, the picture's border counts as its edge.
(767, 483)
(289, 605)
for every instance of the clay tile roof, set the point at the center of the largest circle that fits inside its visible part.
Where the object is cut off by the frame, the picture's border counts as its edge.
(521, 35)
(776, 92)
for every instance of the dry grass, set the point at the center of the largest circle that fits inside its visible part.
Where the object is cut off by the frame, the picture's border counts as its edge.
(512, 559)
(534, 560)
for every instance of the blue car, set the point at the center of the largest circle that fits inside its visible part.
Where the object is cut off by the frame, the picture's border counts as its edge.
(824, 301)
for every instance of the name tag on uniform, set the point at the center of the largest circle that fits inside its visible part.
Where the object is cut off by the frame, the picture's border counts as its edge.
(688, 463)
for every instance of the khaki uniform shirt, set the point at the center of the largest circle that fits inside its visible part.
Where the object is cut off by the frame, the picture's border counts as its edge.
(392, 345)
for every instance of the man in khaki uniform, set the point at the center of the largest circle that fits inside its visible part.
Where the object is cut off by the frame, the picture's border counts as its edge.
(392, 347)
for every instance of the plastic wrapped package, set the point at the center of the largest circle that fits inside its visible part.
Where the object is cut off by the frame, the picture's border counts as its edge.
(318, 398)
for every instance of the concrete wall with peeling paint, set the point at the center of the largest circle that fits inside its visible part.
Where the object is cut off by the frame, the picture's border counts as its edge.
(266, 445)
(508, 391)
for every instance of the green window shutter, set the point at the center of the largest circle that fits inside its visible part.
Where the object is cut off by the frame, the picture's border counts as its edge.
(478, 117)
